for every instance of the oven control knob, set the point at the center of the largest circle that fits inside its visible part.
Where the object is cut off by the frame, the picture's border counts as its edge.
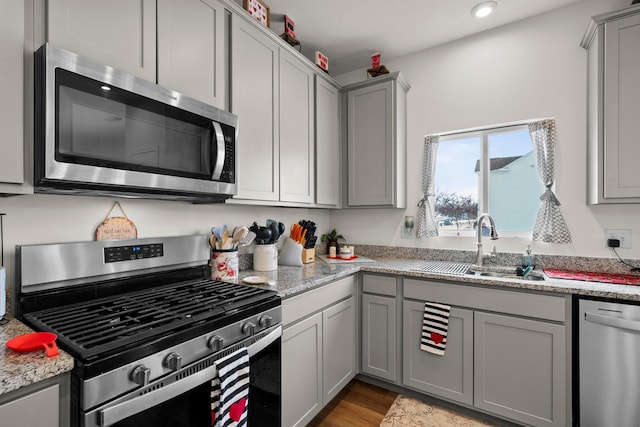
(140, 375)
(249, 328)
(173, 361)
(265, 321)
(215, 343)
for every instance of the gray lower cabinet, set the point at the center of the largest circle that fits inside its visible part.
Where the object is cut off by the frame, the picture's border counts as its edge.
(302, 371)
(43, 404)
(379, 336)
(318, 349)
(506, 351)
(518, 368)
(450, 375)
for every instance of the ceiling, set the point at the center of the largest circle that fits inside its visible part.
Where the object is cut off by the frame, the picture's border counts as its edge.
(349, 31)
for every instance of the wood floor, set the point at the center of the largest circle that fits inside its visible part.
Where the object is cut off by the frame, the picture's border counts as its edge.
(359, 405)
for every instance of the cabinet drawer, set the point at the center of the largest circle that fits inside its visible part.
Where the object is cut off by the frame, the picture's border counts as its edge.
(383, 285)
(299, 306)
(509, 302)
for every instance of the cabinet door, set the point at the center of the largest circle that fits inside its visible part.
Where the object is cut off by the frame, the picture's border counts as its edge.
(119, 33)
(379, 336)
(40, 408)
(338, 347)
(519, 369)
(302, 371)
(11, 86)
(191, 49)
(621, 106)
(297, 166)
(450, 375)
(328, 166)
(254, 91)
(371, 165)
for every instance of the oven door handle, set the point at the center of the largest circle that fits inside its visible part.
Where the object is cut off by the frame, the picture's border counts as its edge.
(118, 412)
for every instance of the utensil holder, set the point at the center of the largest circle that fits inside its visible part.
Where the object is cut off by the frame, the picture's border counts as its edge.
(224, 265)
(265, 257)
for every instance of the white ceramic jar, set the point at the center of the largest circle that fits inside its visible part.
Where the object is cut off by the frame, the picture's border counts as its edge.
(265, 257)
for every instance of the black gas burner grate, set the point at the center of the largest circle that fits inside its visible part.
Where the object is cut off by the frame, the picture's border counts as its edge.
(95, 327)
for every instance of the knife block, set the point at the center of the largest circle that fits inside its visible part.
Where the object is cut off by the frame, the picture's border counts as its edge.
(308, 255)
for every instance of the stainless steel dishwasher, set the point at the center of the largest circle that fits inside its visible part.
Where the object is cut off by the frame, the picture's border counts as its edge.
(609, 363)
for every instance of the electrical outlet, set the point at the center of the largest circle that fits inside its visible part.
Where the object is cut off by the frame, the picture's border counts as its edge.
(623, 235)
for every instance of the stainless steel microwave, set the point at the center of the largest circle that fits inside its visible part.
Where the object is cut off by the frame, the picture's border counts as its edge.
(101, 131)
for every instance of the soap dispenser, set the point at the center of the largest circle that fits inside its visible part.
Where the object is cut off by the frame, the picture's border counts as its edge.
(528, 259)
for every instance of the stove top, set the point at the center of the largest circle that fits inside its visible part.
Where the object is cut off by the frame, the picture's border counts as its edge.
(98, 327)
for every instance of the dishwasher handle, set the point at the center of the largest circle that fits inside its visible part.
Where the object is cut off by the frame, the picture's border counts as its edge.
(615, 322)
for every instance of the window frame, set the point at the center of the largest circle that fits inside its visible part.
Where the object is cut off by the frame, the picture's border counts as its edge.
(484, 172)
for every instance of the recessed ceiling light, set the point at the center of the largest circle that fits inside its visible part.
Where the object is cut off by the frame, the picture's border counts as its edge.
(483, 9)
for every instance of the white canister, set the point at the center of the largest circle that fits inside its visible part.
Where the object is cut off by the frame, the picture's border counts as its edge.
(3, 294)
(265, 257)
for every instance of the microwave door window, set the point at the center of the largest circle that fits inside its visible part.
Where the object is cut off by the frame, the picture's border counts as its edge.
(105, 131)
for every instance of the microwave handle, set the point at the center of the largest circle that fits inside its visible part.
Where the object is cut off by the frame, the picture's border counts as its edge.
(218, 138)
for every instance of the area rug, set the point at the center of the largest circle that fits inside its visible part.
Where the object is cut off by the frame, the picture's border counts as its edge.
(408, 412)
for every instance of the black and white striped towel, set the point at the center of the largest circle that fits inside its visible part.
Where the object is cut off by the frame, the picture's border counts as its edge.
(435, 325)
(230, 390)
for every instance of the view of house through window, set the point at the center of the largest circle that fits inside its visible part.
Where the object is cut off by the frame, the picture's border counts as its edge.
(493, 171)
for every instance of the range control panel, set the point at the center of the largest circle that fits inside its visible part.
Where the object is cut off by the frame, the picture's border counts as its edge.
(133, 252)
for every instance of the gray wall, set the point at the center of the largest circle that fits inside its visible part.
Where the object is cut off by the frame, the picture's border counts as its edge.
(531, 69)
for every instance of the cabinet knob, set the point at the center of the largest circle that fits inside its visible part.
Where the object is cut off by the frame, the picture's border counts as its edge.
(140, 375)
(173, 361)
(249, 328)
(215, 343)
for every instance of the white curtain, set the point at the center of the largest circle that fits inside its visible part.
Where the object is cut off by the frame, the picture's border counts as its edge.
(427, 226)
(550, 225)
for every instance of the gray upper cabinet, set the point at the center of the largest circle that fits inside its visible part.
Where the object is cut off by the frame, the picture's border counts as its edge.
(376, 142)
(13, 172)
(297, 143)
(612, 42)
(192, 53)
(119, 33)
(254, 98)
(328, 145)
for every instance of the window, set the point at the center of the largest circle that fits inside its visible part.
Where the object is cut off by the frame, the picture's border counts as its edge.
(491, 170)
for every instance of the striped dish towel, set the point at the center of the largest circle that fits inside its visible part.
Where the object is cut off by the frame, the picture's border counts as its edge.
(435, 324)
(230, 390)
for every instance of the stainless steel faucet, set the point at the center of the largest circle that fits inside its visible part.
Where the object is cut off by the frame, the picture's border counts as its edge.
(481, 256)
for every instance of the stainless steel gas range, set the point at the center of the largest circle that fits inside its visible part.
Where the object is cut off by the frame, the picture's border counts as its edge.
(148, 329)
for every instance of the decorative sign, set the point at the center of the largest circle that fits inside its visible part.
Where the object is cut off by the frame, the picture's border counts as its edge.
(322, 61)
(117, 227)
(288, 26)
(259, 10)
(375, 60)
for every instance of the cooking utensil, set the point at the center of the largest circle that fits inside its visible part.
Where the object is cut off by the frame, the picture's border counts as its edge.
(248, 239)
(263, 236)
(212, 241)
(239, 233)
(226, 243)
(35, 341)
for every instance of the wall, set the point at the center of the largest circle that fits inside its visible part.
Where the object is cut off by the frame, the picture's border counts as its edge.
(530, 69)
(37, 219)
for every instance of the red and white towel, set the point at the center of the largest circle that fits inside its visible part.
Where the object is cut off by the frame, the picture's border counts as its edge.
(435, 325)
(230, 390)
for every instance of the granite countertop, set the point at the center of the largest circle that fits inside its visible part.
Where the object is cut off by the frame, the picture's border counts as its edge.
(293, 280)
(21, 369)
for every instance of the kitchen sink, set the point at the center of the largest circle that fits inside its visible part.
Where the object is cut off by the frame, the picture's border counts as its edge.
(534, 276)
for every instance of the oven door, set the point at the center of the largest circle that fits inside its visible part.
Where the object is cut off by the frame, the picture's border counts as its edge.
(183, 399)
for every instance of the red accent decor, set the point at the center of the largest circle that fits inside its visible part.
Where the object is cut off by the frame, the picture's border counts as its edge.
(236, 409)
(213, 418)
(343, 259)
(591, 276)
(436, 337)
